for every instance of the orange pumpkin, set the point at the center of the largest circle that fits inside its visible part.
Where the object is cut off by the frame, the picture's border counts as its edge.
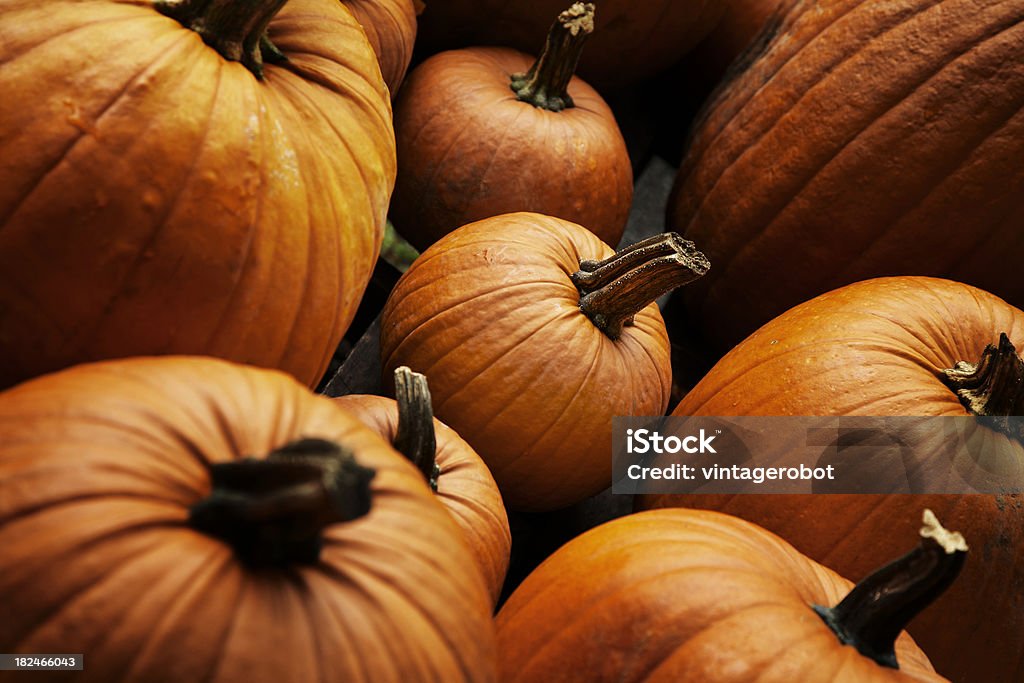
(534, 335)
(487, 131)
(145, 525)
(700, 597)
(890, 347)
(162, 199)
(869, 138)
(462, 481)
(745, 26)
(390, 27)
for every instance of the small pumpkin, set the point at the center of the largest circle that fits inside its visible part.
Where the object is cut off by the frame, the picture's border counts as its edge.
(481, 132)
(891, 346)
(160, 197)
(456, 473)
(633, 40)
(390, 27)
(696, 596)
(187, 519)
(868, 139)
(534, 335)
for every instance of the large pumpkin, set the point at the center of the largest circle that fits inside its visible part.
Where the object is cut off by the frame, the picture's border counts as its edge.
(633, 40)
(534, 337)
(390, 27)
(885, 347)
(145, 525)
(870, 138)
(487, 131)
(162, 199)
(688, 596)
(462, 481)
(745, 26)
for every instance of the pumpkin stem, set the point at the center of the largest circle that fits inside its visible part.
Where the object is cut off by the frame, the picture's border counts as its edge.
(878, 608)
(612, 291)
(272, 511)
(546, 84)
(415, 438)
(992, 388)
(237, 29)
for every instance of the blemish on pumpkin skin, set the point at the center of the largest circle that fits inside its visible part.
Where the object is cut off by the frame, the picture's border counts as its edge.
(74, 117)
(151, 199)
(492, 255)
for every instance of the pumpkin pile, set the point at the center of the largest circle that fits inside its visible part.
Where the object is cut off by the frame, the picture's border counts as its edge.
(316, 317)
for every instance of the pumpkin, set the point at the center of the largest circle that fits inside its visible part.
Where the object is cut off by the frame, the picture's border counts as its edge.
(188, 519)
(632, 41)
(891, 346)
(868, 139)
(745, 26)
(390, 27)
(163, 199)
(462, 481)
(695, 596)
(534, 335)
(487, 131)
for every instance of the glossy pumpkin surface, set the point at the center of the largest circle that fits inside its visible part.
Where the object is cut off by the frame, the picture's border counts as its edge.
(99, 466)
(464, 486)
(390, 27)
(687, 596)
(490, 315)
(163, 200)
(878, 348)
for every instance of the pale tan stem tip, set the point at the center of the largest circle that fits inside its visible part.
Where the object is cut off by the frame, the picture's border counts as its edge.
(950, 541)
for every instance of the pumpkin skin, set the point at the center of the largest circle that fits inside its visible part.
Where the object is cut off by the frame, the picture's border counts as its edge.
(464, 486)
(491, 317)
(469, 150)
(98, 467)
(631, 40)
(868, 139)
(875, 348)
(741, 24)
(683, 595)
(162, 200)
(390, 27)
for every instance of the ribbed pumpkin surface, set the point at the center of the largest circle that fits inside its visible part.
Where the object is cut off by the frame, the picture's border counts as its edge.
(464, 486)
(490, 315)
(870, 138)
(158, 199)
(878, 348)
(98, 468)
(684, 596)
(390, 27)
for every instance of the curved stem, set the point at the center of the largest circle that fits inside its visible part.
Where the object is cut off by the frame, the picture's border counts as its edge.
(878, 608)
(546, 84)
(614, 290)
(237, 29)
(273, 510)
(415, 438)
(992, 388)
